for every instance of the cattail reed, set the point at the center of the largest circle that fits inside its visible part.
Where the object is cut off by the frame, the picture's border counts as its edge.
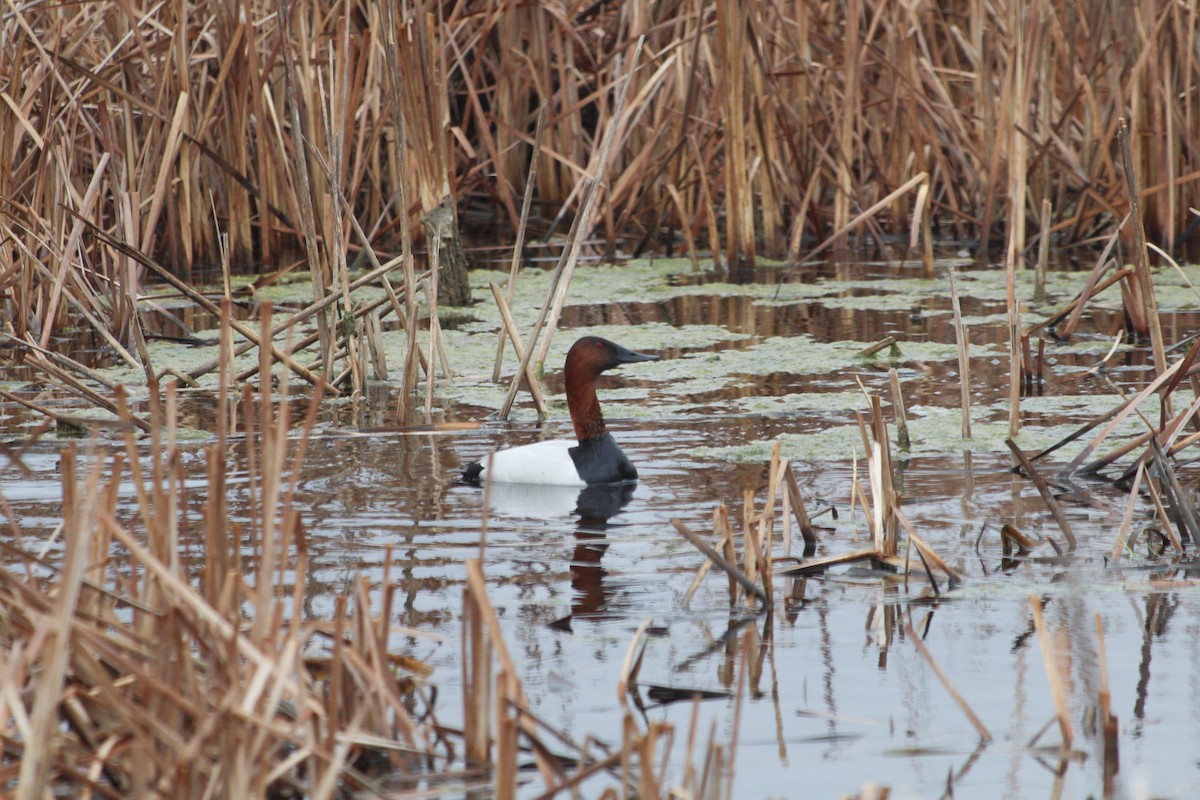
(176, 141)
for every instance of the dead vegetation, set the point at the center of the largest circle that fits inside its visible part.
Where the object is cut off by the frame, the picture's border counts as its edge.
(203, 134)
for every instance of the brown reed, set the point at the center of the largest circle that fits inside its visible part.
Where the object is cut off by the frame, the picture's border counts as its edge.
(169, 141)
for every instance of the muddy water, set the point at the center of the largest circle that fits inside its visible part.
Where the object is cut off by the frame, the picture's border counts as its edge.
(837, 694)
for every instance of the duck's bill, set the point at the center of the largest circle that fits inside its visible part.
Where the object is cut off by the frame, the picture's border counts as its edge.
(625, 356)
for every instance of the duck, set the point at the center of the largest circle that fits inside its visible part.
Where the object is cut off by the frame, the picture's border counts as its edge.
(593, 458)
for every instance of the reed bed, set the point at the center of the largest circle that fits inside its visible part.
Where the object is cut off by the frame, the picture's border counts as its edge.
(191, 130)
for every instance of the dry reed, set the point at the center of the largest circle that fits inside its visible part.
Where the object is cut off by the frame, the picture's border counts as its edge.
(169, 141)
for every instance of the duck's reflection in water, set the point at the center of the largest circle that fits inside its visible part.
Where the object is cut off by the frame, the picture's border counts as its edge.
(591, 507)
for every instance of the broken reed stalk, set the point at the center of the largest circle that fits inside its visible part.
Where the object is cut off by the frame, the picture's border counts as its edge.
(515, 695)
(209, 306)
(882, 344)
(233, 148)
(1039, 284)
(1164, 518)
(1141, 258)
(1014, 361)
(1044, 490)
(1180, 499)
(431, 298)
(1123, 531)
(484, 651)
(927, 553)
(964, 356)
(398, 151)
(796, 501)
(509, 328)
(1128, 407)
(732, 21)
(35, 768)
(955, 695)
(724, 531)
(1058, 686)
(378, 274)
(721, 561)
(583, 221)
(333, 113)
(519, 243)
(901, 416)
(1166, 434)
(1091, 288)
(879, 466)
(837, 235)
(818, 565)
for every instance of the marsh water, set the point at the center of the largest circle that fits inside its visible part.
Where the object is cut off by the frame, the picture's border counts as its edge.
(836, 694)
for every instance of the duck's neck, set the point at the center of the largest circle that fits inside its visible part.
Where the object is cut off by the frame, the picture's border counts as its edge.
(585, 408)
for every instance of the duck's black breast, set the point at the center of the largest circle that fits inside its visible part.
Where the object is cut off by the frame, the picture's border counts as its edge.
(600, 460)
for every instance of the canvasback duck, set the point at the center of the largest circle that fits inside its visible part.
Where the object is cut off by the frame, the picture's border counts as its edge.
(595, 458)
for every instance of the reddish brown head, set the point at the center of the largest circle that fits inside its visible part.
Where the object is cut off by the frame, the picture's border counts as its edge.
(586, 359)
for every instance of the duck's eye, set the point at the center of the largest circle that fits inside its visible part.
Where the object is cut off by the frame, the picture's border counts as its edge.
(599, 345)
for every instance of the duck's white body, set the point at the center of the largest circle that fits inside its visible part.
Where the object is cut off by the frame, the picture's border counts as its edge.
(547, 462)
(558, 462)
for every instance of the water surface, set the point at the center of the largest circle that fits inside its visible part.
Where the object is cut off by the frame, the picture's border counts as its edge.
(838, 694)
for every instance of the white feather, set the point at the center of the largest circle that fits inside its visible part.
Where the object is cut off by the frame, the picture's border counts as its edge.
(541, 462)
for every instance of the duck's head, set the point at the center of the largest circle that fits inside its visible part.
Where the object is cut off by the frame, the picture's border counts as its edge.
(592, 355)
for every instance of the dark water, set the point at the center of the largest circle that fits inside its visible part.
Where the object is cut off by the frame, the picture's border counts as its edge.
(838, 694)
